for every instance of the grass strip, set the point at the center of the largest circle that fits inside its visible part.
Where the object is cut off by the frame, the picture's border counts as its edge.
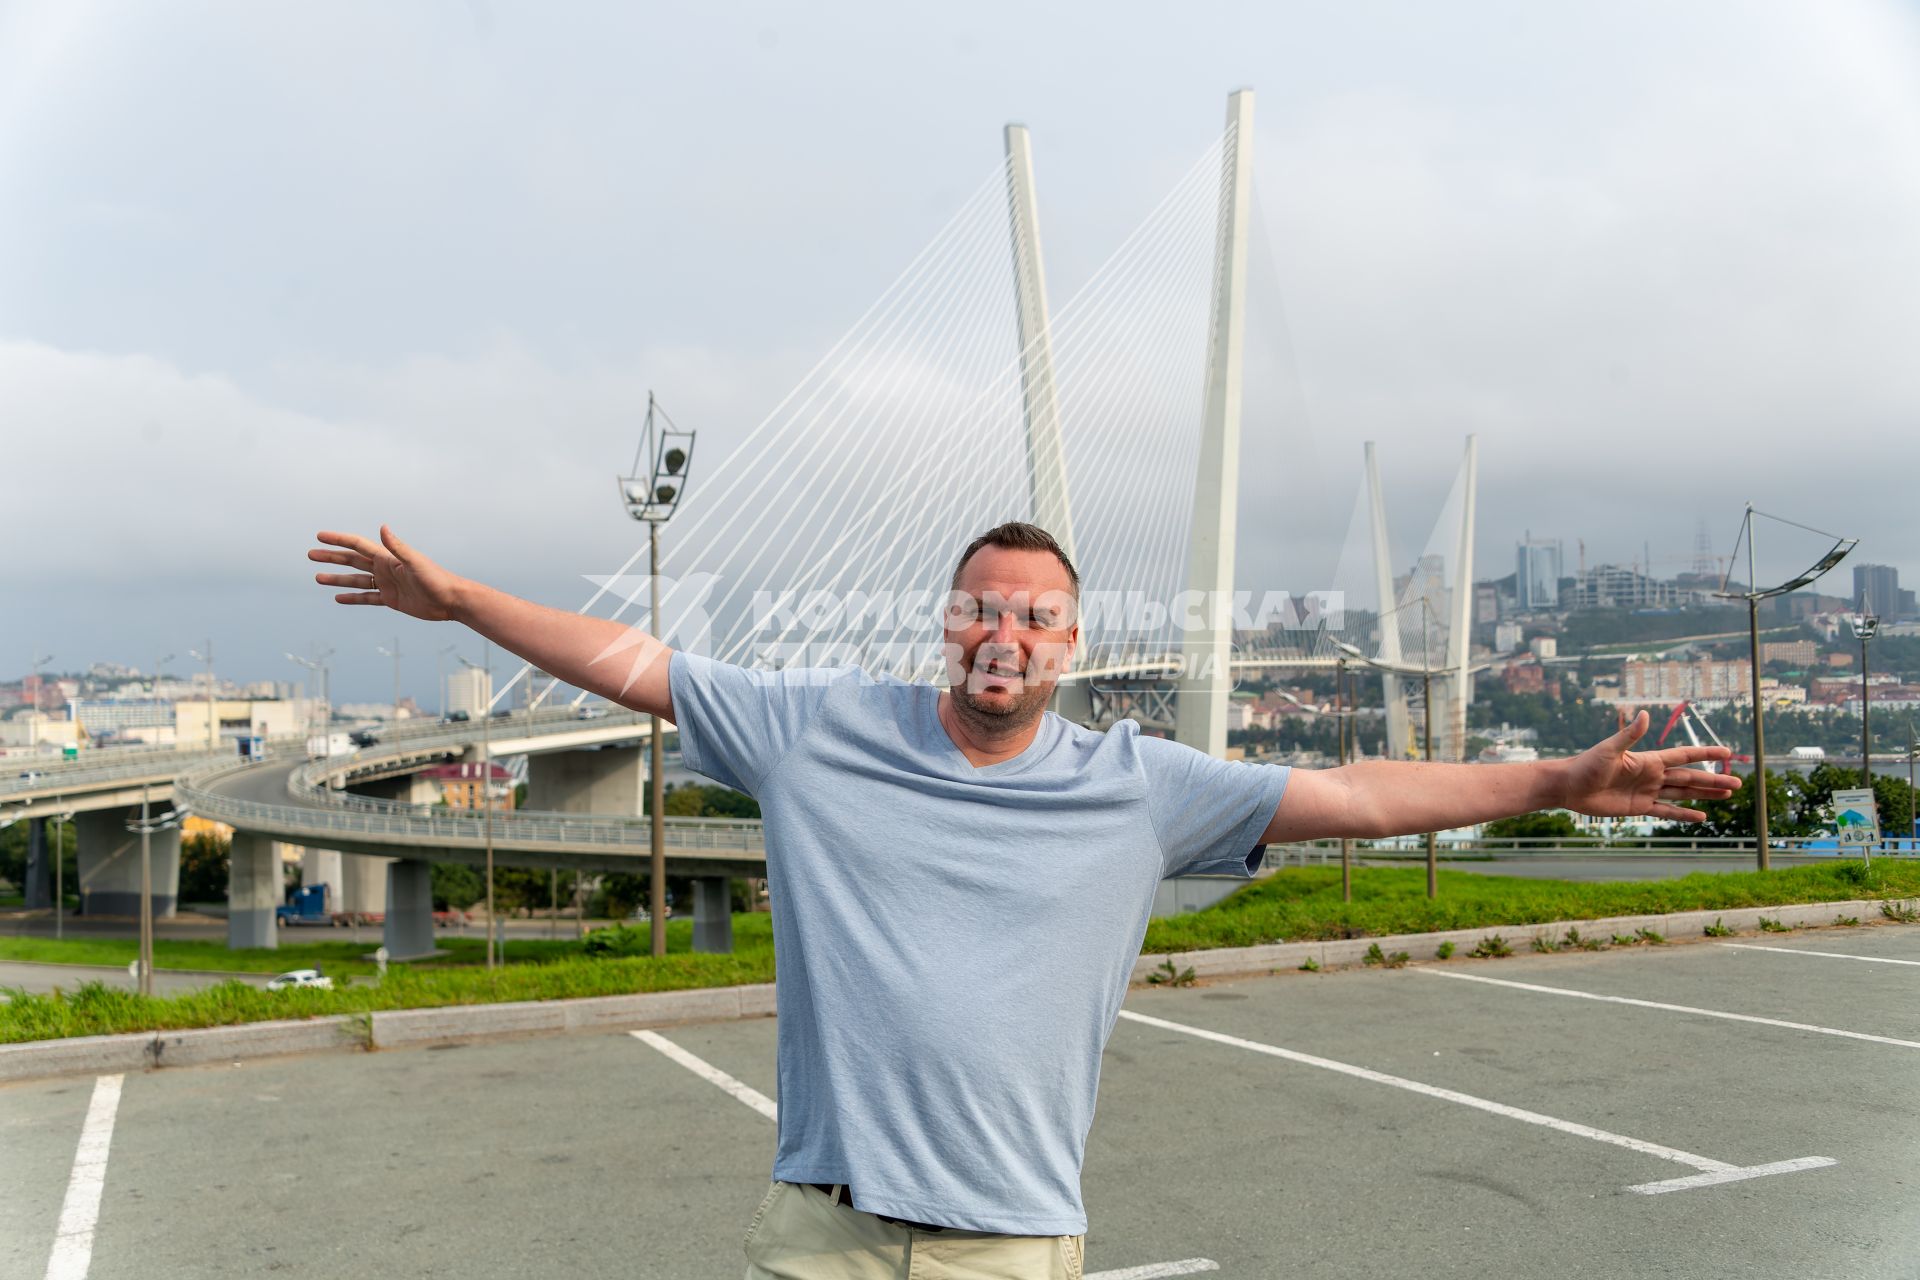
(751, 931)
(94, 1009)
(1295, 905)
(1304, 904)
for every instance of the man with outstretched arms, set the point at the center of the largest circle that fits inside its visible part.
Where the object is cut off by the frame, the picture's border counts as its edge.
(961, 881)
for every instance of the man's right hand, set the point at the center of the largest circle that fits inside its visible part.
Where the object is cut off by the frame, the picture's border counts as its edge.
(393, 574)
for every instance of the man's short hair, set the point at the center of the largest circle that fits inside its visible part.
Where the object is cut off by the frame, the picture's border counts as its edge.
(1018, 535)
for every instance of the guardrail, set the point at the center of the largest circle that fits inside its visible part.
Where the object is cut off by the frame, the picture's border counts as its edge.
(322, 812)
(169, 762)
(79, 775)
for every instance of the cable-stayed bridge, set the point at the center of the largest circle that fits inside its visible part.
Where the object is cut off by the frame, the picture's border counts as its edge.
(960, 399)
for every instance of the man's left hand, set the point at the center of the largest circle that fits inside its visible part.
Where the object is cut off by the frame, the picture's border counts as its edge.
(1608, 780)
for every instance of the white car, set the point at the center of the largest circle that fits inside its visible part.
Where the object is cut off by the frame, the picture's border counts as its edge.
(301, 978)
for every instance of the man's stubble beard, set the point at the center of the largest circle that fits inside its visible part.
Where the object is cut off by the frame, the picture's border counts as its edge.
(1009, 718)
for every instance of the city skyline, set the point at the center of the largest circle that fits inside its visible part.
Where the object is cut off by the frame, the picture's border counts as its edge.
(463, 287)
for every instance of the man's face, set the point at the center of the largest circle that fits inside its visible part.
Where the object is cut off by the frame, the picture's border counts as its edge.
(1011, 624)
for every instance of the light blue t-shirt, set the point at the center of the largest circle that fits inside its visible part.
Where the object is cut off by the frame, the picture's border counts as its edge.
(953, 942)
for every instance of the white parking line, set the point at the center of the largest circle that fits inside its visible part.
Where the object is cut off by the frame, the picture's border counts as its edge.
(711, 1074)
(1825, 955)
(1712, 1172)
(73, 1241)
(1674, 1008)
(1155, 1270)
(765, 1106)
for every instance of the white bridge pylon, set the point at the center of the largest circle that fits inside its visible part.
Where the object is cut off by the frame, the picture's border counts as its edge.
(1203, 679)
(1426, 610)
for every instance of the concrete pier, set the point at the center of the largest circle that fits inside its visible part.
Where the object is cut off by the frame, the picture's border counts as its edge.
(109, 858)
(253, 891)
(363, 883)
(408, 933)
(39, 886)
(607, 780)
(712, 915)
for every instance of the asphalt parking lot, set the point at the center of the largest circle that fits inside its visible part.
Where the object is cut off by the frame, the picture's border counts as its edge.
(1718, 1110)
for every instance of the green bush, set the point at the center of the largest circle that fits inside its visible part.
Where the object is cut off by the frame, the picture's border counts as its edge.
(1551, 825)
(621, 940)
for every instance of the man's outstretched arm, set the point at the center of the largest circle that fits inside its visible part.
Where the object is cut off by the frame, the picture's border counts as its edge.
(617, 661)
(1378, 798)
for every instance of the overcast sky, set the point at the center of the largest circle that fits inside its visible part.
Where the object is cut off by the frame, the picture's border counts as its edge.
(270, 269)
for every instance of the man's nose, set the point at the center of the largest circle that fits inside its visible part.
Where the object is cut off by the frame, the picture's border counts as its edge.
(1003, 628)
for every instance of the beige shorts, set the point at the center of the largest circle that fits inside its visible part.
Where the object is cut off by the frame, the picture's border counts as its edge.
(799, 1233)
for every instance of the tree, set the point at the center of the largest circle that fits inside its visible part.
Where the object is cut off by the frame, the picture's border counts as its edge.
(1892, 797)
(205, 862)
(456, 886)
(1551, 825)
(620, 894)
(529, 889)
(1732, 818)
(698, 800)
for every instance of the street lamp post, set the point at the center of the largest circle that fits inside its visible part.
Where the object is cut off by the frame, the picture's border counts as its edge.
(213, 710)
(156, 673)
(1913, 809)
(1341, 716)
(318, 665)
(1864, 627)
(1425, 672)
(146, 894)
(146, 824)
(1426, 716)
(1753, 595)
(59, 875)
(440, 674)
(486, 779)
(394, 653)
(33, 713)
(654, 499)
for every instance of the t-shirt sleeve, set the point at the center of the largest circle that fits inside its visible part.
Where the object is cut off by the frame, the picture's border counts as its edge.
(1209, 814)
(736, 723)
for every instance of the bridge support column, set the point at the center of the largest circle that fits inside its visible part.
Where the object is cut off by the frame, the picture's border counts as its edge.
(322, 866)
(408, 934)
(712, 914)
(364, 881)
(39, 886)
(1046, 456)
(253, 891)
(1206, 678)
(109, 858)
(607, 780)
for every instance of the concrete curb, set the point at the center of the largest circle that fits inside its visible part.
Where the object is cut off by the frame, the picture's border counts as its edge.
(401, 1028)
(1329, 954)
(143, 1050)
